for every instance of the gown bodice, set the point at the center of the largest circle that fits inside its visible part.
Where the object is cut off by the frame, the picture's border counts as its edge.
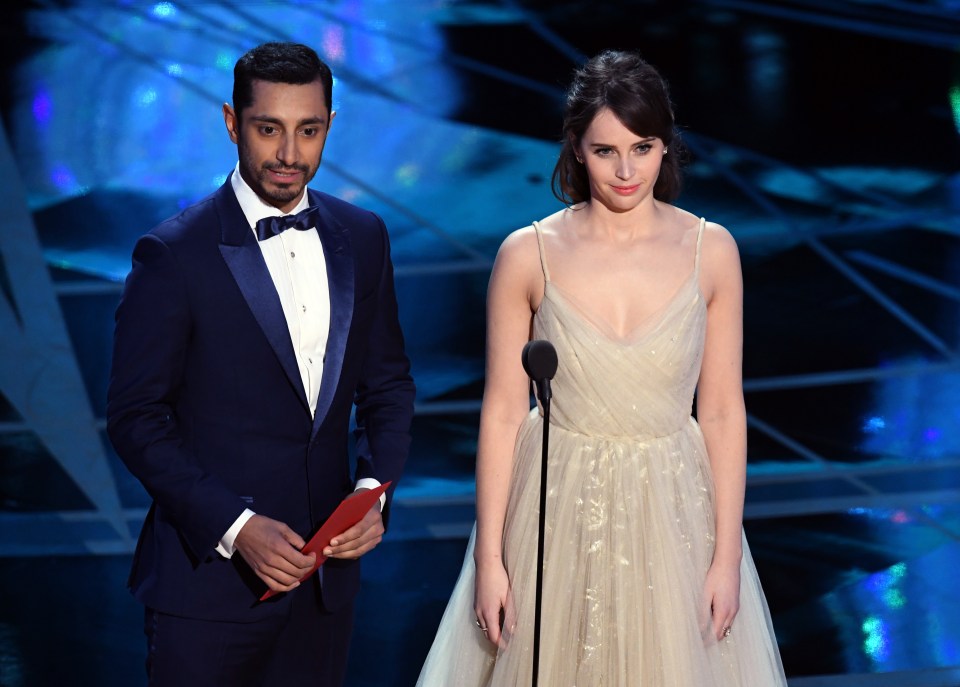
(637, 388)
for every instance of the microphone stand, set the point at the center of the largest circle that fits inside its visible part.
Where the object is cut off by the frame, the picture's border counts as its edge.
(540, 363)
(545, 402)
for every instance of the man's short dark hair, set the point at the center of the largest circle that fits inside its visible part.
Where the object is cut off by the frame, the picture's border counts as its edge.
(292, 63)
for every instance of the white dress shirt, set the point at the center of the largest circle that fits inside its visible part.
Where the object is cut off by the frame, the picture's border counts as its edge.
(296, 264)
(298, 269)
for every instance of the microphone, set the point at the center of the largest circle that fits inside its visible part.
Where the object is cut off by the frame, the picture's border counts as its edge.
(539, 360)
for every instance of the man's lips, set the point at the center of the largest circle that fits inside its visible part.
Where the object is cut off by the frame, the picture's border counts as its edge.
(284, 174)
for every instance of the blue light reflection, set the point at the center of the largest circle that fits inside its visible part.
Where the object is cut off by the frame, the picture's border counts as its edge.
(909, 415)
(164, 10)
(903, 617)
(42, 107)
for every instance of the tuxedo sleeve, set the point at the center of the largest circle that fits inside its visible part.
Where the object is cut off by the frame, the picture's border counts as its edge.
(151, 338)
(385, 393)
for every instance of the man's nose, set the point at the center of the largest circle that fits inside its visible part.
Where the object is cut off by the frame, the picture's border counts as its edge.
(288, 153)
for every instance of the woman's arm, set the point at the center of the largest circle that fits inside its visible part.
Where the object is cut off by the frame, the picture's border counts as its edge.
(516, 286)
(722, 417)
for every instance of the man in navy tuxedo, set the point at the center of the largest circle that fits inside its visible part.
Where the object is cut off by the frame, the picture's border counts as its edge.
(250, 326)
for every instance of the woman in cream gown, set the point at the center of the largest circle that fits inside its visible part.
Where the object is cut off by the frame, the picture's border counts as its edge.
(648, 580)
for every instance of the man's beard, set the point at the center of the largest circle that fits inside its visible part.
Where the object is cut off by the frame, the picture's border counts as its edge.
(285, 193)
(257, 177)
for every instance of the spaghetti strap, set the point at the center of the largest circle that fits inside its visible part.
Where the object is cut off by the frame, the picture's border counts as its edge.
(696, 263)
(543, 253)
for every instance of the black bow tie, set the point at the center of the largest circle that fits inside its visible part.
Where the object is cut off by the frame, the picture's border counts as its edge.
(271, 226)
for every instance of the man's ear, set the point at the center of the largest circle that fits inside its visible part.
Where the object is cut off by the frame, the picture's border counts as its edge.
(231, 122)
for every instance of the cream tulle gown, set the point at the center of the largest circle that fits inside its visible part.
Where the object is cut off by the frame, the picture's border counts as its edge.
(630, 523)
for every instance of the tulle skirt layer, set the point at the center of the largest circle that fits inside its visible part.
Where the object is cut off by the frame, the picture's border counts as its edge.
(629, 540)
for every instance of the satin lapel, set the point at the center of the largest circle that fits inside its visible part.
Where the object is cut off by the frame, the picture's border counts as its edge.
(340, 276)
(240, 251)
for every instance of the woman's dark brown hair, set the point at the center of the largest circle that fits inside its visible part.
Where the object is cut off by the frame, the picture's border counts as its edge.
(634, 91)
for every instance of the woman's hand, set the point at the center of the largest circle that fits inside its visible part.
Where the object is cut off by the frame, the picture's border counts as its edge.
(721, 599)
(492, 603)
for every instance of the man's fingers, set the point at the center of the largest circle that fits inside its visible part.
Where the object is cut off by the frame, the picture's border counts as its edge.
(282, 554)
(278, 581)
(294, 539)
(270, 548)
(282, 575)
(359, 539)
(354, 548)
(372, 521)
(289, 563)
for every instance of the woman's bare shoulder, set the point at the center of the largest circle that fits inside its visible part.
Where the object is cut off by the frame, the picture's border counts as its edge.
(719, 243)
(518, 244)
(720, 270)
(716, 237)
(521, 241)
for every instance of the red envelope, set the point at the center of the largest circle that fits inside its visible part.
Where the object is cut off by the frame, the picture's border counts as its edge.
(348, 513)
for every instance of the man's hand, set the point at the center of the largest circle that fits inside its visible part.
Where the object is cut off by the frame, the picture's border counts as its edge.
(360, 538)
(272, 550)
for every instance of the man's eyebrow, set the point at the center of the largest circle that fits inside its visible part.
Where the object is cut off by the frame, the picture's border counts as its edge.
(275, 120)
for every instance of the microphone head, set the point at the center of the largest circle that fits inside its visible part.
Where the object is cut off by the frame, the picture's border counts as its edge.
(539, 359)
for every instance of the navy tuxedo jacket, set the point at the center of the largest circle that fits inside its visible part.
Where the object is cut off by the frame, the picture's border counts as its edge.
(207, 409)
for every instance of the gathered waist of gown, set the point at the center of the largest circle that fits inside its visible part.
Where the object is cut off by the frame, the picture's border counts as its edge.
(632, 438)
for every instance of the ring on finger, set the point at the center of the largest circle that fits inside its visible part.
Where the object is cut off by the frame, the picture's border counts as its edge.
(727, 631)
